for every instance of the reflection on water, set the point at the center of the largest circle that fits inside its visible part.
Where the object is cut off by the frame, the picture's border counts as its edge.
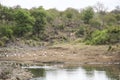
(77, 73)
(38, 72)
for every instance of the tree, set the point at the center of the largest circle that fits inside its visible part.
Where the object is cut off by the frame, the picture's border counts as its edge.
(52, 14)
(6, 31)
(40, 21)
(87, 14)
(110, 19)
(6, 17)
(95, 23)
(101, 12)
(6, 14)
(71, 13)
(116, 12)
(100, 8)
(24, 22)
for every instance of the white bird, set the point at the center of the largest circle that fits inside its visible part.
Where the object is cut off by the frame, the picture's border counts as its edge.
(15, 54)
(6, 55)
(45, 52)
(34, 54)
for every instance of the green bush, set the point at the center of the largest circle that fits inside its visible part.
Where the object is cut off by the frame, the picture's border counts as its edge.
(99, 37)
(80, 32)
(6, 30)
(106, 36)
(61, 27)
(4, 39)
(1, 43)
(35, 38)
(95, 23)
(114, 34)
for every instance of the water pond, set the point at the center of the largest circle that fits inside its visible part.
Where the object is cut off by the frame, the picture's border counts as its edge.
(88, 72)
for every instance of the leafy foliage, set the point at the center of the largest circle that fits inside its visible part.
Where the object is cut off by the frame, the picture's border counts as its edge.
(6, 30)
(24, 22)
(80, 32)
(94, 27)
(40, 21)
(98, 37)
(87, 14)
(110, 35)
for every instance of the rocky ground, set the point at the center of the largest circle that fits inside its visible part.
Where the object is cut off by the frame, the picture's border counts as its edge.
(13, 71)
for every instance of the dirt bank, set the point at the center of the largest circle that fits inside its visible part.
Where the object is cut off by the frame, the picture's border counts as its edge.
(65, 53)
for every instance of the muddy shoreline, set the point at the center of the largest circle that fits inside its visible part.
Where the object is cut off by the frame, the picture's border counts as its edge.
(62, 53)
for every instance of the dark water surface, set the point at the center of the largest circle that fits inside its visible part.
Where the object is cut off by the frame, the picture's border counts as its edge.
(88, 72)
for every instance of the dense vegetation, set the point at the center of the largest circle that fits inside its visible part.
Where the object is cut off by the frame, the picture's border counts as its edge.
(94, 25)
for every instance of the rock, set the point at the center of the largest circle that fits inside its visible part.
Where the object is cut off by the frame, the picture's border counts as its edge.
(9, 72)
